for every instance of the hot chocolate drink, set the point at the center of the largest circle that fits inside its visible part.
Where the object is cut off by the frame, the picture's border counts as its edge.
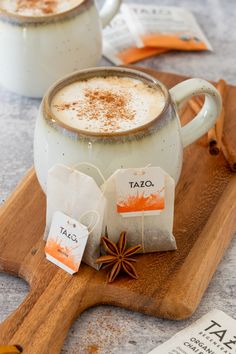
(107, 104)
(38, 7)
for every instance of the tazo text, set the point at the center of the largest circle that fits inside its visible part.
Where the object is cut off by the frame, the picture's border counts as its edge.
(141, 184)
(64, 232)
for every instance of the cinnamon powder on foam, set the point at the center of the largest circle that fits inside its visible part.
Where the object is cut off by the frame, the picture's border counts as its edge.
(45, 6)
(104, 105)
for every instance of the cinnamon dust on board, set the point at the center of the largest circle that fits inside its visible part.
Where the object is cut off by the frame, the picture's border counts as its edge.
(109, 331)
(105, 106)
(92, 349)
(45, 6)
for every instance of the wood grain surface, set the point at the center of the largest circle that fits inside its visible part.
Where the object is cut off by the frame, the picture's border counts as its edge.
(171, 284)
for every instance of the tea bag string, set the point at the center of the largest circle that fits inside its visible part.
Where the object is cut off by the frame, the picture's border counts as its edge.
(95, 224)
(74, 167)
(90, 230)
(142, 232)
(142, 221)
(86, 213)
(90, 165)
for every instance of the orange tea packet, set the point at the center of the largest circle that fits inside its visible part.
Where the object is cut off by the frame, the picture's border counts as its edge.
(123, 47)
(165, 27)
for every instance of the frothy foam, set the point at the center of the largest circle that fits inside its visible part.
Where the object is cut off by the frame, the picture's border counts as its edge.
(106, 105)
(38, 7)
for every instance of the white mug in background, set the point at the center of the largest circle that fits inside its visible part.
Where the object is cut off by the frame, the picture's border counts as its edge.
(35, 51)
(158, 142)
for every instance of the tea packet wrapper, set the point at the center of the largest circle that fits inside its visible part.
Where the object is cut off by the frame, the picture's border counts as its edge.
(121, 46)
(165, 27)
(141, 202)
(214, 333)
(78, 196)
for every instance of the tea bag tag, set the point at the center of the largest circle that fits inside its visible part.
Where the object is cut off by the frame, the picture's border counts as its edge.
(66, 242)
(140, 191)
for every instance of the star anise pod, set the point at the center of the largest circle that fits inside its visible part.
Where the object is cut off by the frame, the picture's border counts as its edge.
(118, 257)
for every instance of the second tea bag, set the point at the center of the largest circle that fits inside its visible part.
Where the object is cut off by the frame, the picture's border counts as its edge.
(78, 196)
(141, 202)
(121, 46)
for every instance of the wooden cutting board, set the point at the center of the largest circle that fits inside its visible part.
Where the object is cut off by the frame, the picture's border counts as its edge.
(171, 284)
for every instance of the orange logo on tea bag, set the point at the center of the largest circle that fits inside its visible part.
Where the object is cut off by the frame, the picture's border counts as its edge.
(140, 191)
(140, 202)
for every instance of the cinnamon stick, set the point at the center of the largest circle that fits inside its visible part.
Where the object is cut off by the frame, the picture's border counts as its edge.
(212, 141)
(184, 114)
(216, 132)
(227, 149)
(216, 140)
(222, 88)
(195, 105)
(229, 154)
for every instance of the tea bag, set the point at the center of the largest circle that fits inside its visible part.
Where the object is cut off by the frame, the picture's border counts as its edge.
(78, 196)
(150, 228)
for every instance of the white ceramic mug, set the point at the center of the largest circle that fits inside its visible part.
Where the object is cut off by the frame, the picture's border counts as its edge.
(35, 51)
(159, 142)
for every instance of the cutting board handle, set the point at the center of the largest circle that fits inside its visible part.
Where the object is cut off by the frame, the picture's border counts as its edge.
(41, 323)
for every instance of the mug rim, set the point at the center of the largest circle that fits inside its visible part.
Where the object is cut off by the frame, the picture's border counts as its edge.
(47, 18)
(103, 71)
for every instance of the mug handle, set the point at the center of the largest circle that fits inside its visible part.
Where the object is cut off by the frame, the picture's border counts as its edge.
(109, 10)
(207, 116)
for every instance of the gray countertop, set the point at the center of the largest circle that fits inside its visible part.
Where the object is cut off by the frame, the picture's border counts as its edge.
(106, 329)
